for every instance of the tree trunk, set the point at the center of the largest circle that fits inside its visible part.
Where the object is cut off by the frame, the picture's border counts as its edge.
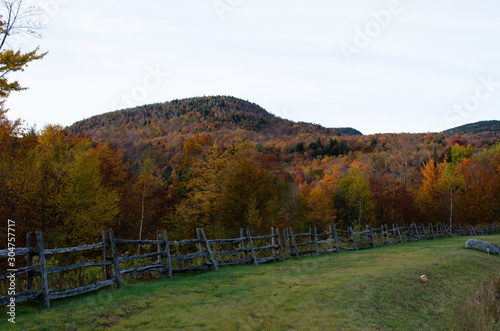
(451, 207)
(142, 217)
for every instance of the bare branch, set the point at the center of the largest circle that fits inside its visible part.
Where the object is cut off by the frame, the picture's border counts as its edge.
(16, 19)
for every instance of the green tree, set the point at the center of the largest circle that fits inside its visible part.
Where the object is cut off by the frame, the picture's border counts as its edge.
(358, 195)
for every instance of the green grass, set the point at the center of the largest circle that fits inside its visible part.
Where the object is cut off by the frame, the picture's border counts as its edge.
(370, 289)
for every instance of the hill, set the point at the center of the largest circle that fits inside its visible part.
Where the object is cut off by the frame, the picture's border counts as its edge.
(475, 128)
(167, 125)
(220, 112)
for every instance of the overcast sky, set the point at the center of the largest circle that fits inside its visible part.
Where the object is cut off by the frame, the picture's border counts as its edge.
(377, 66)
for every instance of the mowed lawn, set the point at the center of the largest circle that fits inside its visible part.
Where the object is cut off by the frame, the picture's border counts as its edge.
(369, 289)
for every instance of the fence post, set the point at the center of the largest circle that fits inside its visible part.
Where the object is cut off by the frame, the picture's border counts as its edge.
(116, 262)
(371, 235)
(280, 244)
(287, 243)
(159, 237)
(386, 234)
(250, 242)
(330, 237)
(243, 244)
(29, 260)
(43, 270)
(407, 232)
(207, 244)
(310, 241)
(414, 230)
(200, 247)
(423, 230)
(273, 242)
(107, 270)
(399, 234)
(336, 238)
(316, 241)
(167, 250)
(294, 244)
(353, 238)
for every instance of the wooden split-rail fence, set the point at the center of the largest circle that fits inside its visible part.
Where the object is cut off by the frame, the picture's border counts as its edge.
(205, 254)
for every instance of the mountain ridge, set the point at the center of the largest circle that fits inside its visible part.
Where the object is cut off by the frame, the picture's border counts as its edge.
(243, 110)
(161, 129)
(476, 127)
(211, 109)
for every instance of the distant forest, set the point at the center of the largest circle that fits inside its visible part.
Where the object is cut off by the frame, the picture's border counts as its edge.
(223, 163)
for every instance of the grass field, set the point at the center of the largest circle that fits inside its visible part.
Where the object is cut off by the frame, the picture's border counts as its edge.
(370, 289)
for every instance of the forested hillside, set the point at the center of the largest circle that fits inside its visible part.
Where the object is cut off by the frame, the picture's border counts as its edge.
(222, 163)
(488, 128)
(161, 129)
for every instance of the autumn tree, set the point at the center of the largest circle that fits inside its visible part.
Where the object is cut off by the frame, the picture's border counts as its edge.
(112, 165)
(321, 199)
(444, 184)
(428, 195)
(89, 207)
(357, 196)
(452, 180)
(402, 156)
(16, 18)
(56, 185)
(201, 177)
(38, 180)
(9, 133)
(251, 196)
(478, 202)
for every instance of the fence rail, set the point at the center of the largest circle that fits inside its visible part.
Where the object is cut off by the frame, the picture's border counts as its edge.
(204, 254)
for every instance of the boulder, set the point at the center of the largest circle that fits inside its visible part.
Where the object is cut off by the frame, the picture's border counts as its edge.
(482, 246)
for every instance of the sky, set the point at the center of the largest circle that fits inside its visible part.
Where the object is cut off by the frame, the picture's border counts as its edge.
(376, 66)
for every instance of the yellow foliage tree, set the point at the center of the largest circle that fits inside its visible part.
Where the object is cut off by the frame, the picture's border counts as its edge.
(321, 199)
(89, 206)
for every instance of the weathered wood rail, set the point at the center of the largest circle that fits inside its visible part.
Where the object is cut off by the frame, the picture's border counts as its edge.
(254, 249)
(172, 257)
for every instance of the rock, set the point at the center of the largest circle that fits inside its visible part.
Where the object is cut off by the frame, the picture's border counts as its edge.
(482, 246)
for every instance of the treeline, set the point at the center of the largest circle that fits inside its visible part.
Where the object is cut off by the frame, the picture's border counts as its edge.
(74, 188)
